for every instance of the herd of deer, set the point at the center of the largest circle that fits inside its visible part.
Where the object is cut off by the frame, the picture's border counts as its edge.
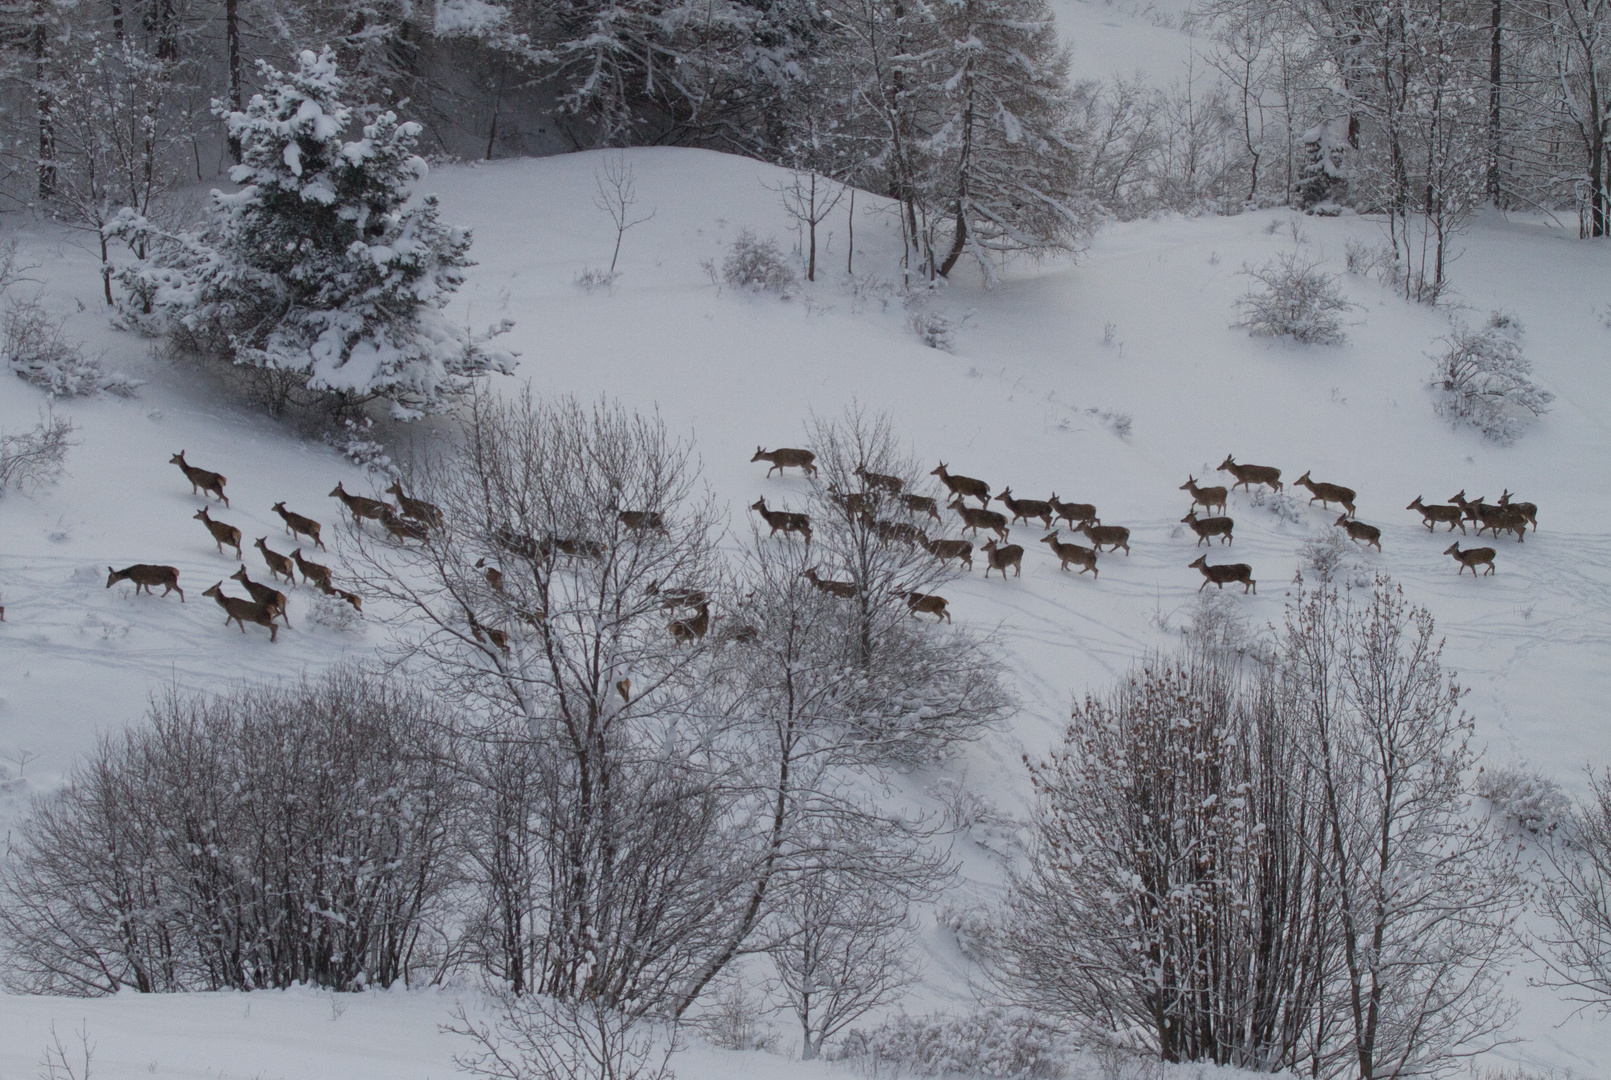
(1082, 518)
(409, 520)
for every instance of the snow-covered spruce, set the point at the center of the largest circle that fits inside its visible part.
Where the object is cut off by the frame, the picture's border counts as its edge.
(316, 268)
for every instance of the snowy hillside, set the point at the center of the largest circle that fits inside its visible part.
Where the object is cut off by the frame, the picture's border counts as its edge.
(1033, 398)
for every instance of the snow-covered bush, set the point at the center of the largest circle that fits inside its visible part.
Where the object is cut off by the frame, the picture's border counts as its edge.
(356, 441)
(1523, 798)
(33, 457)
(319, 266)
(1292, 297)
(758, 265)
(1364, 259)
(1330, 558)
(39, 351)
(997, 1043)
(334, 612)
(1482, 379)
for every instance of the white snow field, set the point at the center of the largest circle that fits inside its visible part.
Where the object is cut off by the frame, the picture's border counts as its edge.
(1031, 398)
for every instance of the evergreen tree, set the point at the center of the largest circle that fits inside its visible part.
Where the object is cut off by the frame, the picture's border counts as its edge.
(316, 269)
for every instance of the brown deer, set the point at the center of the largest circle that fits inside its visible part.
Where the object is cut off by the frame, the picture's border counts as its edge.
(1073, 513)
(963, 486)
(1525, 509)
(1360, 533)
(485, 634)
(1219, 575)
(1002, 557)
(354, 599)
(689, 630)
(493, 575)
(1472, 557)
(642, 521)
(921, 504)
(1248, 475)
(297, 525)
(901, 532)
(844, 590)
(222, 533)
(854, 503)
(927, 604)
(1072, 553)
(975, 519)
(241, 611)
(783, 521)
(786, 458)
(1116, 536)
(1326, 494)
(892, 485)
(571, 547)
(145, 575)
(279, 565)
(1206, 497)
(1026, 508)
(1432, 516)
(201, 479)
(946, 550)
(1209, 527)
(1487, 515)
(271, 598)
(418, 509)
(403, 528)
(359, 506)
(312, 571)
(670, 599)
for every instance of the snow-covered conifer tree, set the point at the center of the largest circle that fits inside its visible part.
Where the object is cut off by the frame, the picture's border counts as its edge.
(317, 269)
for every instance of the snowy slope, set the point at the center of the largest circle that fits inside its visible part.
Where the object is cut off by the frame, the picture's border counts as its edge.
(1011, 406)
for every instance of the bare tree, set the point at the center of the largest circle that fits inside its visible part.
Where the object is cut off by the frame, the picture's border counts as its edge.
(541, 1038)
(616, 193)
(808, 198)
(37, 456)
(1576, 897)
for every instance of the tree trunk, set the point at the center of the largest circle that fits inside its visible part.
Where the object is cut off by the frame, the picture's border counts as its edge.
(232, 32)
(1495, 72)
(44, 104)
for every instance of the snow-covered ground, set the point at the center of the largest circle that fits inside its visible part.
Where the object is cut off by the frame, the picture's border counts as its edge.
(1140, 326)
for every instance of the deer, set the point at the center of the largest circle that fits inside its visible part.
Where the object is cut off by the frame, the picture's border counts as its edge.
(963, 486)
(201, 480)
(271, 598)
(241, 611)
(1525, 509)
(145, 575)
(493, 575)
(403, 528)
(1026, 508)
(671, 599)
(354, 599)
(1116, 536)
(854, 503)
(1326, 494)
(1219, 575)
(571, 547)
(1360, 533)
(783, 521)
(844, 590)
(1248, 475)
(787, 458)
(689, 630)
(1002, 557)
(222, 533)
(297, 525)
(279, 565)
(946, 550)
(1072, 553)
(927, 604)
(903, 532)
(892, 485)
(921, 504)
(312, 571)
(976, 519)
(359, 506)
(418, 509)
(1206, 497)
(642, 521)
(485, 634)
(1472, 557)
(1205, 528)
(1072, 512)
(1487, 515)
(1432, 516)
(516, 543)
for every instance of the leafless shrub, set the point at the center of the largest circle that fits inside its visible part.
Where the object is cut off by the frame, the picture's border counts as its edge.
(593, 279)
(31, 458)
(1331, 558)
(1523, 798)
(1576, 899)
(59, 1062)
(541, 1038)
(1002, 1044)
(1292, 297)
(1364, 259)
(39, 351)
(758, 265)
(731, 1017)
